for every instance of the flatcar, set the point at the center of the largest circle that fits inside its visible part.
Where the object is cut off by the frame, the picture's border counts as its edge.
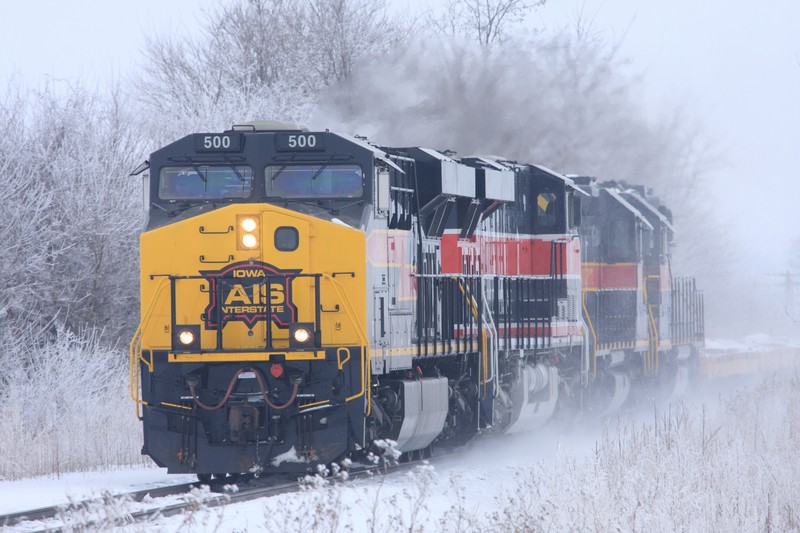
(306, 294)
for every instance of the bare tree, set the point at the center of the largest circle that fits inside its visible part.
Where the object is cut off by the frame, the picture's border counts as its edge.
(260, 58)
(487, 21)
(70, 211)
(342, 31)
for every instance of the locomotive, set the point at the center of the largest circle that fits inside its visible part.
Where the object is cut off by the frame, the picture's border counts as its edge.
(306, 294)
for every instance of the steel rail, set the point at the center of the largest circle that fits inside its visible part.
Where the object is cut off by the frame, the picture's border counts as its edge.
(251, 490)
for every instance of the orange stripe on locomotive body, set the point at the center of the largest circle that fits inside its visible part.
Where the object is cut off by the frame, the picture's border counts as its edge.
(559, 329)
(662, 273)
(512, 255)
(612, 276)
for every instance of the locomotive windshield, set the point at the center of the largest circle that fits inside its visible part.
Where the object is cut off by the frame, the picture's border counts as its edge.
(314, 181)
(205, 182)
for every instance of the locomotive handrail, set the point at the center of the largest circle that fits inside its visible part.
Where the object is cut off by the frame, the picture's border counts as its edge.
(494, 334)
(649, 353)
(594, 334)
(479, 322)
(135, 349)
(221, 282)
(365, 367)
(464, 323)
(470, 298)
(651, 363)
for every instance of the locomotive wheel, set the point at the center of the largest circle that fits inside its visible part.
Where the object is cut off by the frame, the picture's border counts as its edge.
(204, 478)
(427, 452)
(417, 455)
(231, 477)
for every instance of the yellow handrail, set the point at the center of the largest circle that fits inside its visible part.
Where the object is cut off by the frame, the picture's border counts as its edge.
(474, 308)
(594, 335)
(366, 369)
(135, 350)
(651, 366)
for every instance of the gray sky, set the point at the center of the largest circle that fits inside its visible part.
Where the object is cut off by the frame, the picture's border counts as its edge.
(734, 64)
(46, 40)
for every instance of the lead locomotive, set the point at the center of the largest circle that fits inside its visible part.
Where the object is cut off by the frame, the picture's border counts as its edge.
(304, 294)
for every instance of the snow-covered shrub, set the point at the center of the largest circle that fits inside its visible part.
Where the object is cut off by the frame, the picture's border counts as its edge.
(64, 406)
(104, 513)
(70, 211)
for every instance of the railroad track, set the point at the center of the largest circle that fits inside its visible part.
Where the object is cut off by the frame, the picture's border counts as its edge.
(47, 513)
(78, 515)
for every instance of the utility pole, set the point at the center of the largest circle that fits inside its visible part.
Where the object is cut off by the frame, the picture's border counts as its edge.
(788, 281)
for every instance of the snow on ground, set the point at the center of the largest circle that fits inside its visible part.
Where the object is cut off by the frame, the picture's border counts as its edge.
(723, 459)
(751, 343)
(38, 492)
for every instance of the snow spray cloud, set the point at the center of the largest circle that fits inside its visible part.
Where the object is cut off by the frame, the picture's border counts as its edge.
(560, 101)
(565, 101)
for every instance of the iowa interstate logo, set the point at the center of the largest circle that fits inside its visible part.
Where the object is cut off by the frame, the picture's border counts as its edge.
(248, 292)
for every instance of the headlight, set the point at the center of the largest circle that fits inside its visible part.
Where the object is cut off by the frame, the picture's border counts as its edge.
(186, 337)
(249, 240)
(247, 232)
(301, 335)
(249, 224)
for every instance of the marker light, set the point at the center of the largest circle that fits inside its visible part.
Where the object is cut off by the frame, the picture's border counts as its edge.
(186, 337)
(249, 224)
(276, 370)
(249, 240)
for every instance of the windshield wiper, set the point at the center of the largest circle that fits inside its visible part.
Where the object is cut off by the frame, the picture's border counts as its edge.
(275, 176)
(318, 172)
(199, 173)
(235, 170)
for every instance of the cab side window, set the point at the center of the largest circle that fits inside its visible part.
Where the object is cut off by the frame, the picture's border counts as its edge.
(549, 213)
(546, 208)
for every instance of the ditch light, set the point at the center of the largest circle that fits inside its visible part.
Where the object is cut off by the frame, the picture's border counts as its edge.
(301, 336)
(186, 337)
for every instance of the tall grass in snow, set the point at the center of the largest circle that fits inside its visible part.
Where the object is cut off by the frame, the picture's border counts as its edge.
(729, 463)
(64, 406)
(728, 467)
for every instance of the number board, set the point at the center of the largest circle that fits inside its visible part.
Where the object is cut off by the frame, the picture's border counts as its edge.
(217, 142)
(299, 141)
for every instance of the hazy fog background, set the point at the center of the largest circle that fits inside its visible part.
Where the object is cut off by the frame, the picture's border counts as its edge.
(698, 101)
(735, 66)
(704, 91)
